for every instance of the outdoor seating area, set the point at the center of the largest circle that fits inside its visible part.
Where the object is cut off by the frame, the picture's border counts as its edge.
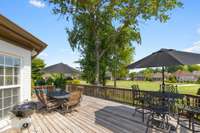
(57, 99)
(85, 108)
(161, 106)
(153, 109)
(93, 115)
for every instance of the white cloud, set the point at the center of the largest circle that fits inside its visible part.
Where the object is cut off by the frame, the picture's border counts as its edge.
(195, 48)
(37, 3)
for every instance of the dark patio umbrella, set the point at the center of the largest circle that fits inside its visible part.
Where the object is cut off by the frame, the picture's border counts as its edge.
(167, 57)
(60, 68)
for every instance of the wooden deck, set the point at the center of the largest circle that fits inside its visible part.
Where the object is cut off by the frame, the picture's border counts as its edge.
(93, 116)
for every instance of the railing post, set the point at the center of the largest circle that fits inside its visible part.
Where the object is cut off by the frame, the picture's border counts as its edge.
(105, 89)
(188, 101)
(133, 97)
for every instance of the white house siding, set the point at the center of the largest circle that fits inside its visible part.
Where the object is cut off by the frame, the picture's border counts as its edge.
(25, 73)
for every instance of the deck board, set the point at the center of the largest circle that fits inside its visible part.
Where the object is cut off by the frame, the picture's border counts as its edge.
(92, 116)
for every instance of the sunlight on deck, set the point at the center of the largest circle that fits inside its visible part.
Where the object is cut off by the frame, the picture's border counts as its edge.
(93, 116)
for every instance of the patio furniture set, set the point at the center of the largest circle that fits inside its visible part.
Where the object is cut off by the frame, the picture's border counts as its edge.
(160, 107)
(50, 99)
(58, 99)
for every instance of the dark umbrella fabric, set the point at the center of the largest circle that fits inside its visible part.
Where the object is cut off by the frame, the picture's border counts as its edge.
(167, 57)
(60, 68)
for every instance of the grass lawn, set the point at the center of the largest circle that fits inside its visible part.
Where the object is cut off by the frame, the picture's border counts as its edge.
(154, 86)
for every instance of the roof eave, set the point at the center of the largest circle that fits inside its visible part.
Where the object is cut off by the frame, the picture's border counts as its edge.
(11, 32)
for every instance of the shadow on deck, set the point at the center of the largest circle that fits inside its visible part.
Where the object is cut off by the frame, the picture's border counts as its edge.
(93, 116)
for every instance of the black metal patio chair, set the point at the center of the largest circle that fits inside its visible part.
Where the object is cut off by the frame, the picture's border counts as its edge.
(188, 117)
(158, 118)
(140, 101)
(173, 90)
(170, 88)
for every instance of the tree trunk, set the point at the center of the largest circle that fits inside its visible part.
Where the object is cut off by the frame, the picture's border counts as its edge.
(115, 67)
(97, 82)
(115, 82)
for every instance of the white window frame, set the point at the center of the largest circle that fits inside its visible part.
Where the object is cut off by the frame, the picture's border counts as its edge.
(4, 87)
(13, 75)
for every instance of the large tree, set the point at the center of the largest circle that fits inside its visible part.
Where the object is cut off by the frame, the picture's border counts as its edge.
(97, 24)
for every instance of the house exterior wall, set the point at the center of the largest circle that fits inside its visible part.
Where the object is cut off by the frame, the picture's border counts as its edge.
(186, 78)
(25, 68)
(24, 84)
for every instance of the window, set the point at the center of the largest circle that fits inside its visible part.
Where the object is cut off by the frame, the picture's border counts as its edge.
(9, 70)
(8, 98)
(9, 77)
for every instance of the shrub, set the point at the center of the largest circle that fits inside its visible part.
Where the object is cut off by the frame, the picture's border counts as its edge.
(50, 81)
(198, 81)
(198, 92)
(59, 80)
(172, 79)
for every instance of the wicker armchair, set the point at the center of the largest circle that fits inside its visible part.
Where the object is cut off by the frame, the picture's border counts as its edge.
(49, 104)
(73, 101)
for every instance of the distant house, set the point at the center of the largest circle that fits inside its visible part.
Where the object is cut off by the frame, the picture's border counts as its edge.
(157, 77)
(182, 76)
(139, 77)
(65, 69)
(196, 73)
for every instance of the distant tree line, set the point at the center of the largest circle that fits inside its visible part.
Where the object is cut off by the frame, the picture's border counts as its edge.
(148, 72)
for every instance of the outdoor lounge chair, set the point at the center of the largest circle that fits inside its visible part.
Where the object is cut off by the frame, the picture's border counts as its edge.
(48, 103)
(73, 101)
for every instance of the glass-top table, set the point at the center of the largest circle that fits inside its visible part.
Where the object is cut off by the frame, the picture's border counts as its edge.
(58, 94)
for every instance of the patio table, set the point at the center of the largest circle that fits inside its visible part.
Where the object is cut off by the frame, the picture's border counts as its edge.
(59, 94)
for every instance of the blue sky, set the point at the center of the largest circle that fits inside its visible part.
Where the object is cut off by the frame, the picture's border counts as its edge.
(181, 32)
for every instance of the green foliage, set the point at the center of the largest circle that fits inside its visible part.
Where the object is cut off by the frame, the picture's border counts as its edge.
(50, 81)
(172, 79)
(118, 61)
(198, 91)
(192, 68)
(189, 68)
(198, 81)
(103, 31)
(132, 75)
(75, 81)
(59, 80)
(173, 69)
(148, 72)
(37, 65)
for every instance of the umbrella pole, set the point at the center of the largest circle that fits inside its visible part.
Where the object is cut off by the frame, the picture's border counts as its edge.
(163, 79)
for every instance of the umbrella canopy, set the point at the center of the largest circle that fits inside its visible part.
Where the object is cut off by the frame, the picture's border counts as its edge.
(166, 57)
(60, 68)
